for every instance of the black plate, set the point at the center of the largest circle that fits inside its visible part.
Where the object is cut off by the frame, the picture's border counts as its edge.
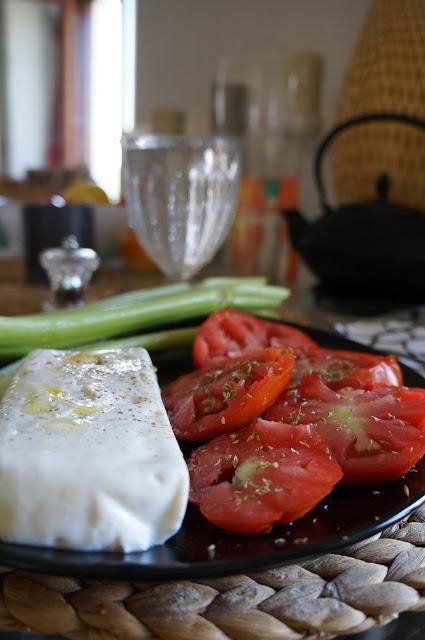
(344, 517)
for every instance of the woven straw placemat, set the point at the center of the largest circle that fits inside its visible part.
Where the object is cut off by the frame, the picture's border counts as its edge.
(365, 585)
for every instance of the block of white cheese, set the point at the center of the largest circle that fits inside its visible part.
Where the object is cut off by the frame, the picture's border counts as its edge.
(88, 459)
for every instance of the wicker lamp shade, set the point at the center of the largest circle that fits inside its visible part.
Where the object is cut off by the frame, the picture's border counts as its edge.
(386, 73)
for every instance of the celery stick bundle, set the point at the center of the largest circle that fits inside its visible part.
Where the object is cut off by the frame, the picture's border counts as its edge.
(135, 311)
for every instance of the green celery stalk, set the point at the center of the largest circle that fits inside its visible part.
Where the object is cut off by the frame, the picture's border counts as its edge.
(226, 281)
(68, 329)
(130, 297)
(137, 296)
(157, 341)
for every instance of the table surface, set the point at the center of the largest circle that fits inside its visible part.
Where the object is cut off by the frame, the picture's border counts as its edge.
(18, 297)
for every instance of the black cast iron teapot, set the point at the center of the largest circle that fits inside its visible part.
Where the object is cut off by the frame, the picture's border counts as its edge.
(375, 247)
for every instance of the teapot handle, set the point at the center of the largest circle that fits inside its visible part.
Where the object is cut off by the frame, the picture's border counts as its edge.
(348, 124)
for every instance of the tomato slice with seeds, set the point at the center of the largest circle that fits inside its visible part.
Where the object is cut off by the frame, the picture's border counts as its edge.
(268, 473)
(340, 369)
(206, 403)
(232, 334)
(376, 435)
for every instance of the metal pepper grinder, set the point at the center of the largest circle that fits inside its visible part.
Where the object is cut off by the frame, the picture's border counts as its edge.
(69, 269)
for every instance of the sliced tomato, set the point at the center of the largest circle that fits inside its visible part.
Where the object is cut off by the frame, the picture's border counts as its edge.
(340, 369)
(376, 435)
(233, 334)
(268, 473)
(206, 403)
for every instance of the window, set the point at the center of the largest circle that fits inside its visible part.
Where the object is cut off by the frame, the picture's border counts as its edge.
(65, 94)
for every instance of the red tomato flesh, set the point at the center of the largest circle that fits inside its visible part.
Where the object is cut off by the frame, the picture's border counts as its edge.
(340, 369)
(268, 473)
(376, 435)
(207, 403)
(233, 334)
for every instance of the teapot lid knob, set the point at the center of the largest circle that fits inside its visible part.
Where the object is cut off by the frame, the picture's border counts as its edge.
(383, 184)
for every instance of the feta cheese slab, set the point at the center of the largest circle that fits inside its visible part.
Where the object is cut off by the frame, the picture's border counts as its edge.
(88, 459)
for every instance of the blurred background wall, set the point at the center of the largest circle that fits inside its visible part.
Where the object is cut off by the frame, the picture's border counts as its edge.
(75, 73)
(180, 43)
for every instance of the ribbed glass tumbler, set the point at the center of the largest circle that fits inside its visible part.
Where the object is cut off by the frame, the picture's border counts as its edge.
(182, 193)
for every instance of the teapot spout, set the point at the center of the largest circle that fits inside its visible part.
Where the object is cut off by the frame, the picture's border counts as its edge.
(298, 226)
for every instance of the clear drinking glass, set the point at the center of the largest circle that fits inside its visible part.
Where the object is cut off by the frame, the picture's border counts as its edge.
(182, 193)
